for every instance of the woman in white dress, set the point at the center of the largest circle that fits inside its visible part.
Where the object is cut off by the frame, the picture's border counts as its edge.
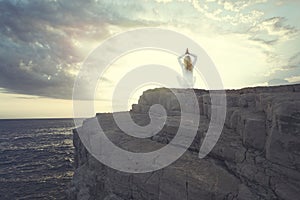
(187, 65)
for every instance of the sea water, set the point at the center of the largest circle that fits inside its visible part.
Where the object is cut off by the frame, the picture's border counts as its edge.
(36, 158)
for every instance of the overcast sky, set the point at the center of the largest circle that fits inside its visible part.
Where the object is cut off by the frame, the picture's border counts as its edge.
(44, 42)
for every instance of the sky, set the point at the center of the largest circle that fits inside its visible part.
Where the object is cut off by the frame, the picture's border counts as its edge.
(43, 44)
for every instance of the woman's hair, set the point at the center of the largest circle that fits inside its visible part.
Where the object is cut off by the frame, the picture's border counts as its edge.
(188, 63)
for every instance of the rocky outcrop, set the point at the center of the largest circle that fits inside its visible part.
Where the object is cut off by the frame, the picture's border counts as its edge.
(256, 157)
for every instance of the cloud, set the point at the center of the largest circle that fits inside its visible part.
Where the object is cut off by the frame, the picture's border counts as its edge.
(163, 1)
(294, 61)
(40, 49)
(237, 5)
(294, 79)
(43, 43)
(272, 30)
(275, 82)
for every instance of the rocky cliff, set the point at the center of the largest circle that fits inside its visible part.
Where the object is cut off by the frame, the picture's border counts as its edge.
(256, 157)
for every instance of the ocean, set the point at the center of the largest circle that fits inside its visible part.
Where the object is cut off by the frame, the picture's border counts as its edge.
(36, 158)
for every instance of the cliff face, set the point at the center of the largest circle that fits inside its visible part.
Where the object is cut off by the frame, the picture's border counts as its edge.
(256, 157)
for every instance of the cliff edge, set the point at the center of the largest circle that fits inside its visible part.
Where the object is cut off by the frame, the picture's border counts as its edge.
(256, 157)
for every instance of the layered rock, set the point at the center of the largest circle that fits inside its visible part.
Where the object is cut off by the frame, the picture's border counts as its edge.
(256, 157)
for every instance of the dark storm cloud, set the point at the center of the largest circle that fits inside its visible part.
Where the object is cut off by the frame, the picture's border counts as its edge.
(37, 51)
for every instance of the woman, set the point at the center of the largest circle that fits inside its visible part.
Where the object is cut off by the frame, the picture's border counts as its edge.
(187, 66)
(187, 61)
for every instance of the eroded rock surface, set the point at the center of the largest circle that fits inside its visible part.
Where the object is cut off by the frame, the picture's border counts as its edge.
(256, 157)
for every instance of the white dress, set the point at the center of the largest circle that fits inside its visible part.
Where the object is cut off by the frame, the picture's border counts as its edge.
(188, 79)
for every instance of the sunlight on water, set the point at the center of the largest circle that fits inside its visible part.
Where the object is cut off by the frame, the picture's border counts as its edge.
(36, 158)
